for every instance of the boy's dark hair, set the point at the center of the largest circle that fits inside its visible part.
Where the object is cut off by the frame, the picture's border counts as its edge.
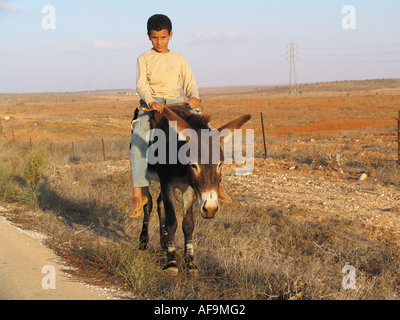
(158, 22)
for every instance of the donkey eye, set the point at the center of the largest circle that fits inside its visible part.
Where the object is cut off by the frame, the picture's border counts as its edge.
(194, 166)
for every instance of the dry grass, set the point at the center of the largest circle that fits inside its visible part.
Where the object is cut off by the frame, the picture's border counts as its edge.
(246, 252)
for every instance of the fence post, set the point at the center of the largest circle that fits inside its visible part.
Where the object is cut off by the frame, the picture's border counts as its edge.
(262, 125)
(73, 150)
(398, 139)
(104, 151)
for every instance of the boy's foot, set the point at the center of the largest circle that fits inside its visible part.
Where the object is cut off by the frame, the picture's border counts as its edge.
(137, 206)
(222, 195)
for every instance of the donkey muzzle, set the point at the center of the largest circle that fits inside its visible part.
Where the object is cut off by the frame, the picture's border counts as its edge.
(209, 205)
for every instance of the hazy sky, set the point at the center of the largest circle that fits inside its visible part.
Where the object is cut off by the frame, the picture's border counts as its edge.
(94, 44)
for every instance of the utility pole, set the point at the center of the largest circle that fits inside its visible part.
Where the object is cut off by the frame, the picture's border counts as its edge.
(292, 72)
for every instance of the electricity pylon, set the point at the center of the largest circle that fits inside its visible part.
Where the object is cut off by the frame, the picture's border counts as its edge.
(292, 72)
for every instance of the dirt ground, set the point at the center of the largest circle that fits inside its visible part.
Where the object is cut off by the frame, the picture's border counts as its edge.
(331, 132)
(88, 116)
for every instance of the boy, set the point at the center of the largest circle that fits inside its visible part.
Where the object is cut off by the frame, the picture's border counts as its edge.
(160, 73)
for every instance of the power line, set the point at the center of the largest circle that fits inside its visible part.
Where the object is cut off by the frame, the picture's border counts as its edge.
(348, 54)
(351, 48)
(354, 61)
(335, 53)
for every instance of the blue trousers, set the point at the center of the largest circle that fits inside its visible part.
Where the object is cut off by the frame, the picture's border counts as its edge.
(139, 144)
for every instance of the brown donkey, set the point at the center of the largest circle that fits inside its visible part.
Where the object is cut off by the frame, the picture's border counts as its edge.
(195, 179)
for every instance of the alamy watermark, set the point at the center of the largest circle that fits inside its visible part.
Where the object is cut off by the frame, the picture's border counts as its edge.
(349, 280)
(349, 20)
(189, 152)
(49, 20)
(49, 280)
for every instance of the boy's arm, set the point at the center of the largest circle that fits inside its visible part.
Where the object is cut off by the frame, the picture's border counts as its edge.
(188, 82)
(142, 84)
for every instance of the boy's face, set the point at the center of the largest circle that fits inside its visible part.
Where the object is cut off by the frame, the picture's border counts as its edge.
(160, 40)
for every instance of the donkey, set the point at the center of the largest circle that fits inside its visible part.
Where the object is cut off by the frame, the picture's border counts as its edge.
(196, 180)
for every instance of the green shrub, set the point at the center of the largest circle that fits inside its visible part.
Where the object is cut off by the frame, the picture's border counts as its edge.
(5, 179)
(35, 165)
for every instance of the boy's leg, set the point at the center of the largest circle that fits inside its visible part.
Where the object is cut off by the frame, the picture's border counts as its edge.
(137, 152)
(173, 101)
(138, 161)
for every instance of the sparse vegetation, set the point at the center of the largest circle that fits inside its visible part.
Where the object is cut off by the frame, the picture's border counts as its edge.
(5, 180)
(247, 252)
(251, 250)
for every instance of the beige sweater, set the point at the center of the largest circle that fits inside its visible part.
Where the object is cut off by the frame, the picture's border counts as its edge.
(160, 75)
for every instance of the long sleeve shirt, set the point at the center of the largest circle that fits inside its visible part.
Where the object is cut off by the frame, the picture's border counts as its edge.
(160, 75)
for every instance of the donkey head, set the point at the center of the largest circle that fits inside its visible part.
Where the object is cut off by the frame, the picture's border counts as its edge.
(204, 165)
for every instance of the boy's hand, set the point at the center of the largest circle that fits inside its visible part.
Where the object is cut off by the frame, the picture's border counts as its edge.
(193, 103)
(157, 106)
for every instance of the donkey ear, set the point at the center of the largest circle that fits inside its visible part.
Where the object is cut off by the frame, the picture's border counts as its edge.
(226, 130)
(172, 116)
(180, 123)
(236, 124)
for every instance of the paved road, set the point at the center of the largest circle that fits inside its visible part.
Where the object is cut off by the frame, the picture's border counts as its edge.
(22, 261)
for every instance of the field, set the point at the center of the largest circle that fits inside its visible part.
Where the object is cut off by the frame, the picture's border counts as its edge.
(326, 195)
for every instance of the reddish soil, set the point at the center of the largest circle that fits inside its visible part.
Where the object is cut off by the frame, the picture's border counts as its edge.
(68, 117)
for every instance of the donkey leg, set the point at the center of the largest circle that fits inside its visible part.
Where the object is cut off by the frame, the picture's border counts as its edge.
(188, 228)
(161, 218)
(171, 226)
(144, 235)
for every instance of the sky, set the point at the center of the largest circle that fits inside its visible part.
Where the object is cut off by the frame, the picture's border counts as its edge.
(71, 45)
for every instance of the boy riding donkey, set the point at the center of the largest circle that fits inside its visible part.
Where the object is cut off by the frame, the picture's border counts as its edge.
(160, 73)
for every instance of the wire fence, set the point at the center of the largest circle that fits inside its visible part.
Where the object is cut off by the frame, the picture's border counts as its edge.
(103, 149)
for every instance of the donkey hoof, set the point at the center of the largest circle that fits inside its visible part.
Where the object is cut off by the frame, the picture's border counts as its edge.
(172, 271)
(171, 268)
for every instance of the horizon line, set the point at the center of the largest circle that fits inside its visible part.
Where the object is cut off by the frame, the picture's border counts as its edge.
(205, 87)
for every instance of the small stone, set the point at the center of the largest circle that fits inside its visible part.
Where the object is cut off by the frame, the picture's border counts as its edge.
(363, 177)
